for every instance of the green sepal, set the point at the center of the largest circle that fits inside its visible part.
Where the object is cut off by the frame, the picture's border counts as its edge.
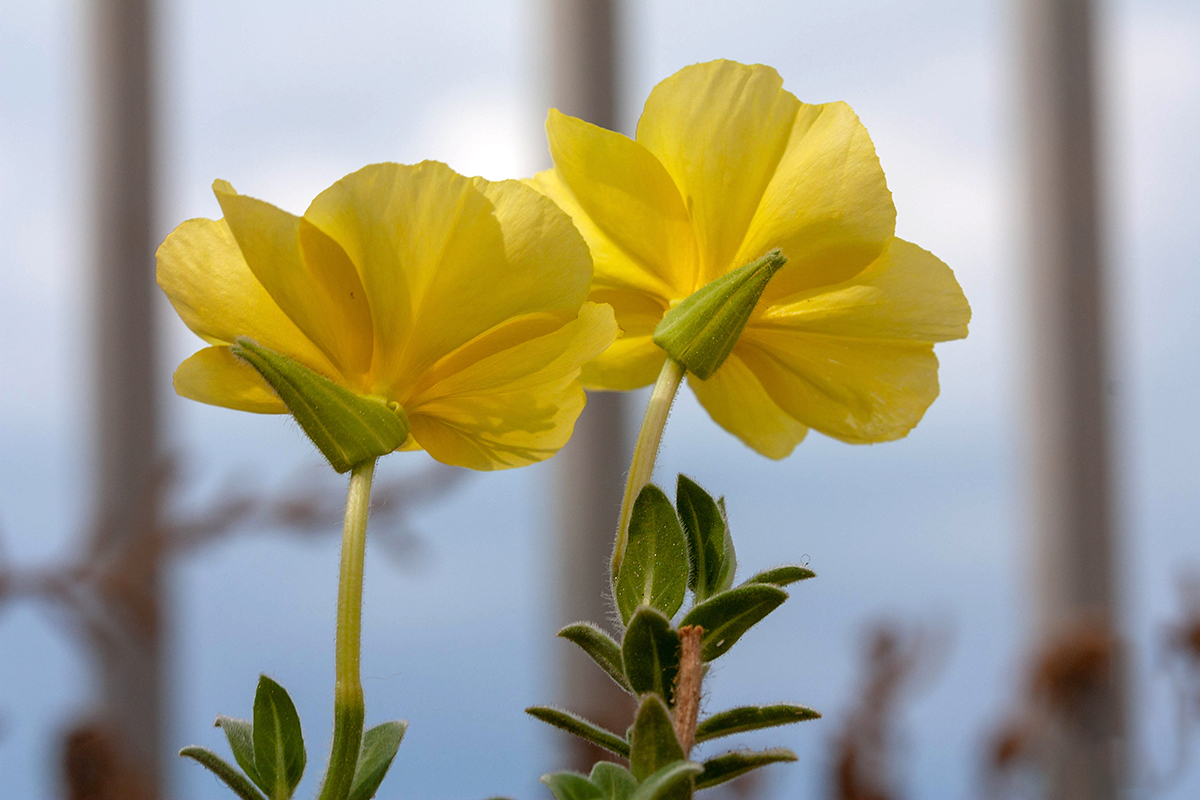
(726, 767)
(726, 616)
(347, 428)
(235, 780)
(751, 718)
(241, 742)
(701, 331)
(602, 649)
(650, 651)
(705, 527)
(379, 746)
(652, 742)
(654, 571)
(614, 781)
(577, 725)
(279, 754)
(571, 786)
(782, 576)
(670, 781)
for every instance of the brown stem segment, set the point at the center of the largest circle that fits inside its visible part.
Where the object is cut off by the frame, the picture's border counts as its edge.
(687, 686)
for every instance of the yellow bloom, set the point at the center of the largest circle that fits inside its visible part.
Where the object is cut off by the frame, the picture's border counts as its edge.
(726, 166)
(462, 300)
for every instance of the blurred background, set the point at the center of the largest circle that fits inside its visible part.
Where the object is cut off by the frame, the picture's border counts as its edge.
(924, 638)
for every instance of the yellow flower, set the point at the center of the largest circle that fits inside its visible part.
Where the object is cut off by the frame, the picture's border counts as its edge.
(459, 299)
(726, 166)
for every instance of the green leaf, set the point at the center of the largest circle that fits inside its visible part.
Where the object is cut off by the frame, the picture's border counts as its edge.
(278, 743)
(730, 765)
(614, 781)
(726, 616)
(651, 654)
(238, 734)
(667, 781)
(379, 746)
(729, 558)
(571, 786)
(750, 718)
(603, 649)
(228, 775)
(782, 576)
(347, 428)
(701, 331)
(704, 525)
(654, 570)
(652, 743)
(573, 723)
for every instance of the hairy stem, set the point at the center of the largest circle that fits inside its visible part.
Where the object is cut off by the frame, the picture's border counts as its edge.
(646, 451)
(687, 686)
(348, 709)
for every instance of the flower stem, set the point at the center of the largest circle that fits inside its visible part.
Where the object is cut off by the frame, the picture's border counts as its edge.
(646, 450)
(348, 709)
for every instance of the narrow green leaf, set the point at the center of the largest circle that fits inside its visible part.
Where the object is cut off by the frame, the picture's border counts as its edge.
(782, 576)
(704, 525)
(667, 781)
(750, 718)
(379, 746)
(614, 781)
(650, 651)
(278, 743)
(237, 733)
(654, 571)
(726, 616)
(223, 770)
(730, 765)
(571, 786)
(347, 428)
(729, 556)
(652, 744)
(602, 648)
(573, 723)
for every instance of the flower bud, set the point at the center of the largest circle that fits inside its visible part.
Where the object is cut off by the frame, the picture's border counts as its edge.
(701, 331)
(347, 428)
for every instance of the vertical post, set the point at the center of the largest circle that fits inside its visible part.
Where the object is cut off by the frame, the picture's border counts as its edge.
(1076, 584)
(592, 466)
(125, 549)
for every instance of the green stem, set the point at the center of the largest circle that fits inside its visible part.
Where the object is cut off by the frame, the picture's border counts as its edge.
(646, 450)
(348, 709)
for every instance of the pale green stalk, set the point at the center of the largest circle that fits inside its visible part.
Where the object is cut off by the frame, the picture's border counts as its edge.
(348, 709)
(646, 451)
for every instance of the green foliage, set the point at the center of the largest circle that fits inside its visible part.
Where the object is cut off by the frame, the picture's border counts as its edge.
(577, 725)
(240, 785)
(750, 718)
(654, 571)
(571, 786)
(730, 765)
(652, 742)
(347, 428)
(782, 576)
(241, 742)
(670, 781)
(611, 782)
(710, 546)
(651, 654)
(726, 616)
(379, 746)
(602, 648)
(279, 755)
(614, 781)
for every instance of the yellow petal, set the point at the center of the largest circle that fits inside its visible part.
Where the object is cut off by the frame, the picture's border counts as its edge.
(856, 390)
(630, 363)
(515, 407)
(203, 273)
(720, 130)
(307, 274)
(737, 402)
(907, 293)
(827, 206)
(628, 195)
(218, 377)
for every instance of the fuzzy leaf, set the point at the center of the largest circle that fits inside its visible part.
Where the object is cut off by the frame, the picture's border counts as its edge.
(652, 743)
(667, 781)
(379, 746)
(654, 570)
(572, 723)
(650, 651)
(602, 648)
(726, 616)
(730, 765)
(704, 525)
(223, 770)
(241, 742)
(750, 718)
(782, 576)
(614, 781)
(571, 786)
(279, 753)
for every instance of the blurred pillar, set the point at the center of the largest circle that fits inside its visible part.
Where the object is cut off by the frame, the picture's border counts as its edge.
(592, 466)
(125, 557)
(1077, 589)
